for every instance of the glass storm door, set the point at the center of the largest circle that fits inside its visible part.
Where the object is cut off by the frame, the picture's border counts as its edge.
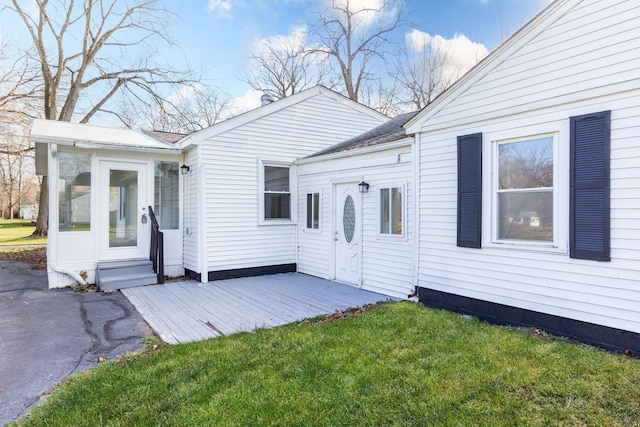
(348, 224)
(124, 219)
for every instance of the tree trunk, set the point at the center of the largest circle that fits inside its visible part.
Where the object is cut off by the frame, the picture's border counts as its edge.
(43, 212)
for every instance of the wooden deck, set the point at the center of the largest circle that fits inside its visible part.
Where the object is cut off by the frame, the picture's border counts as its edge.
(190, 311)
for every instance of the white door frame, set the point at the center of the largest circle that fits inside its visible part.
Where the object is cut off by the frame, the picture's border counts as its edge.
(340, 189)
(141, 249)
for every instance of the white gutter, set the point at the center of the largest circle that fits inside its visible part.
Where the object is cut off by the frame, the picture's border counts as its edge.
(103, 145)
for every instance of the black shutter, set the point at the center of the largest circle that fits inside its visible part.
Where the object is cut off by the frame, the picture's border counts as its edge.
(470, 190)
(589, 232)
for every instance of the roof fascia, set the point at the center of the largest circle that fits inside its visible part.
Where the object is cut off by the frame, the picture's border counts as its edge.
(404, 142)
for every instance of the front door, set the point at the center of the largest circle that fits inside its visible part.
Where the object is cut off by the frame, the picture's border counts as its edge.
(348, 223)
(124, 220)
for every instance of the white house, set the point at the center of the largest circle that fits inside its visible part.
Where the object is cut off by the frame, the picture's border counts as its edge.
(356, 204)
(513, 196)
(101, 183)
(225, 197)
(529, 179)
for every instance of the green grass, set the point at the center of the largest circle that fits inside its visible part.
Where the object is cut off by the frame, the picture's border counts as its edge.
(18, 232)
(400, 364)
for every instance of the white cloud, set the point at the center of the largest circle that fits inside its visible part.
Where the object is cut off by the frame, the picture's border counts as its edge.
(456, 55)
(367, 12)
(249, 101)
(220, 8)
(282, 42)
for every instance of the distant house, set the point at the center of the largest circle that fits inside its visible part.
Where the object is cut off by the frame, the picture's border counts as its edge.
(529, 179)
(29, 211)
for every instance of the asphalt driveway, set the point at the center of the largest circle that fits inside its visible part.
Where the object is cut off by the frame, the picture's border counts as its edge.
(46, 335)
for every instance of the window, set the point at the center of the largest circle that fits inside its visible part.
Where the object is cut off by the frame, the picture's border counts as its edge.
(391, 210)
(166, 194)
(313, 211)
(74, 200)
(277, 193)
(525, 190)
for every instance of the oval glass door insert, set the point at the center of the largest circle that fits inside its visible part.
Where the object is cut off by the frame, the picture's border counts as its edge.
(349, 219)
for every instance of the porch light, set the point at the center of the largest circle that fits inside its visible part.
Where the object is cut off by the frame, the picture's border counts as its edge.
(363, 186)
(184, 169)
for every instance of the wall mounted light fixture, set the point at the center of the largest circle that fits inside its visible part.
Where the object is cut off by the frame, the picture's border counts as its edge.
(184, 169)
(363, 186)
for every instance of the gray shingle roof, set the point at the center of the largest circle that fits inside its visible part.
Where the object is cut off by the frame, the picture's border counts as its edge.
(169, 137)
(389, 131)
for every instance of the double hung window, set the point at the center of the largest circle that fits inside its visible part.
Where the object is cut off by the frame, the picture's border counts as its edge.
(525, 190)
(277, 193)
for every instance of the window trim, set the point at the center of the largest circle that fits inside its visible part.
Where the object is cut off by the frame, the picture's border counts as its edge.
(261, 192)
(403, 206)
(559, 131)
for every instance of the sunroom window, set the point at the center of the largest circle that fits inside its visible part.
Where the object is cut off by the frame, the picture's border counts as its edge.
(74, 200)
(525, 190)
(166, 194)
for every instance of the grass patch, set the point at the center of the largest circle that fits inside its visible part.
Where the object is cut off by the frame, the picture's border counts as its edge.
(396, 364)
(18, 232)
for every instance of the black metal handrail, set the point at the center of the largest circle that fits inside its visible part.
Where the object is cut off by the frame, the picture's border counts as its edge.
(156, 252)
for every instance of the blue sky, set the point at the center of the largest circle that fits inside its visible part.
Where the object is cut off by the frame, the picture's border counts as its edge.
(218, 35)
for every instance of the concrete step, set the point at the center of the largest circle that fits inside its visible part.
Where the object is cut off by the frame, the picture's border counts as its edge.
(114, 275)
(112, 269)
(115, 283)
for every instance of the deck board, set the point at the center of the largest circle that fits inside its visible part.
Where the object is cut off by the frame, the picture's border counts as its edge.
(190, 311)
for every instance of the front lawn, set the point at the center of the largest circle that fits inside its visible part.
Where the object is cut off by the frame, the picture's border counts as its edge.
(18, 232)
(398, 364)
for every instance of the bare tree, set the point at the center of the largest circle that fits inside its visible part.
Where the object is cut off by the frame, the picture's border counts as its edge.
(189, 110)
(17, 179)
(429, 65)
(84, 48)
(284, 65)
(358, 38)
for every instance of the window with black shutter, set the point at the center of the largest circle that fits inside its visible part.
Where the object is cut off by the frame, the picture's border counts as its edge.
(470, 191)
(589, 232)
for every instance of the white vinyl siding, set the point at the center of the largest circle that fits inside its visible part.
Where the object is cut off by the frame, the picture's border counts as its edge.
(584, 62)
(387, 263)
(231, 197)
(191, 207)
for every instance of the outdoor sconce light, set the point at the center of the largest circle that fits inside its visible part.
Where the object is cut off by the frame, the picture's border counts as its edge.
(363, 187)
(184, 169)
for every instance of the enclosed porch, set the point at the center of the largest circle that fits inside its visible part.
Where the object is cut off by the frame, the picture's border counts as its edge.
(190, 311)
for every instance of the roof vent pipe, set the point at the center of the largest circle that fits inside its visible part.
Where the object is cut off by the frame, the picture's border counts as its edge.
(266, 99)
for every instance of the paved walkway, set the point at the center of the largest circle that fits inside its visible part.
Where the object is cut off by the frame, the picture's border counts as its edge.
(46, 335)
(190, 311)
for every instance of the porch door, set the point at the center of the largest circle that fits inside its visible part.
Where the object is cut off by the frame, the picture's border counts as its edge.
(123, 217)
(348, 226)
